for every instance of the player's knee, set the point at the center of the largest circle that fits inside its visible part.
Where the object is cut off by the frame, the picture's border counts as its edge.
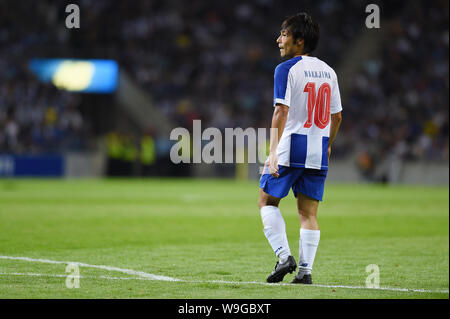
(305, 214)
(266, 201)
(262, 202)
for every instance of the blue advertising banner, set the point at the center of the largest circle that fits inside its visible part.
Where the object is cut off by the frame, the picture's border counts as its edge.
(31, 166)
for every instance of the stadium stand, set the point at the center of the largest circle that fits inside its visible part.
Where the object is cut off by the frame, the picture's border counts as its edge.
(215, 62)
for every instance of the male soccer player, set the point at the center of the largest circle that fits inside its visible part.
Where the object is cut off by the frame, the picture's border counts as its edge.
(305, 122)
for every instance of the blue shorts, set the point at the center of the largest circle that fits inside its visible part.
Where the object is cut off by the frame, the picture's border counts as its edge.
(309, 182)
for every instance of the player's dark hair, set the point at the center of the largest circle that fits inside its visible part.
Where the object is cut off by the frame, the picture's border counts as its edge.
(302, 26)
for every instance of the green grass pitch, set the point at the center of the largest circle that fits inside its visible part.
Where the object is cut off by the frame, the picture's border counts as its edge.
(208, 234)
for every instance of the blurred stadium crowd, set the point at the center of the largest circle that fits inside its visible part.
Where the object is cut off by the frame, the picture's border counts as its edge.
(36, 118)
(215, 60)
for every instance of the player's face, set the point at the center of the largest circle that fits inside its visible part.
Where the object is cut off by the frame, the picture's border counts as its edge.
(286, 44)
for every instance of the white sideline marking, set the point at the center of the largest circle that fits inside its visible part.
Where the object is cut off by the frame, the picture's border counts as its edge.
(125, 271)
(146, 276)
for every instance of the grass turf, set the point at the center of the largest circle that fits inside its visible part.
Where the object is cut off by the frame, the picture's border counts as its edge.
(207, 230)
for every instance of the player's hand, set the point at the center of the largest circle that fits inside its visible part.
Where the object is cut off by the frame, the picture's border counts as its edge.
(329, 152)
(273, 165)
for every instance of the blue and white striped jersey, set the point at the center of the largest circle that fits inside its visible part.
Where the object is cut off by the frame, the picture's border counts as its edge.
(309, 87)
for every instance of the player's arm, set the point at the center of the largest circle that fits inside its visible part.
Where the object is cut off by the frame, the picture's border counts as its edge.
(336, 120)
(279, 118)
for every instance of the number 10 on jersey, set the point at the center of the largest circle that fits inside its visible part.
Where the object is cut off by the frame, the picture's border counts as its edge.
(319, 104)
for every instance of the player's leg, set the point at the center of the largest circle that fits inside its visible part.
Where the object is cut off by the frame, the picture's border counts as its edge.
(307, 212)
(271, 191)
(309, 192)
(309, 237)
(267, 200)
(274, 225)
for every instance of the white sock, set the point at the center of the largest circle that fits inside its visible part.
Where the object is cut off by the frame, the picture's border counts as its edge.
(308, 243)
(275, 231)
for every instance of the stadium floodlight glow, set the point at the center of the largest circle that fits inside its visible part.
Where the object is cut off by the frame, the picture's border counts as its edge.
(75, 75)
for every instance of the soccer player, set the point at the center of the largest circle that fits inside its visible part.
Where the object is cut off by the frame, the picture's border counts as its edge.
(305, 123)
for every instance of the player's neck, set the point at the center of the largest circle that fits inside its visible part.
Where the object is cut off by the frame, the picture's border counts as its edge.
(300, 53)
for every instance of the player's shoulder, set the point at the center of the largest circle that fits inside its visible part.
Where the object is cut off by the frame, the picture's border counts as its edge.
(288, 64)
(324, 65)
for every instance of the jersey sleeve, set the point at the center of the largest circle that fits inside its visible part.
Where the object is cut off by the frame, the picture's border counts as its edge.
(282, 86)
(335, 103)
